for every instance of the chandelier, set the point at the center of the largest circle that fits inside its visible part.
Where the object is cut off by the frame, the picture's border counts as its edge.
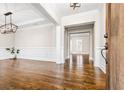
(8, 27)
(74, 5)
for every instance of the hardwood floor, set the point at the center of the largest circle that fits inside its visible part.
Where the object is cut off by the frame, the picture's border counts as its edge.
(29, 74)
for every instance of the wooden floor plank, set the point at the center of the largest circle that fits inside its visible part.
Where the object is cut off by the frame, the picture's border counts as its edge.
(31, 74)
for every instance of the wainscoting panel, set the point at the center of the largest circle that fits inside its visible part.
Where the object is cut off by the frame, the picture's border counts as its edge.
(101, 62)
(4, 54)
(38, 53)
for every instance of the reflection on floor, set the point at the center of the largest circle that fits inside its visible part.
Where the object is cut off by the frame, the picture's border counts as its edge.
(28, 74)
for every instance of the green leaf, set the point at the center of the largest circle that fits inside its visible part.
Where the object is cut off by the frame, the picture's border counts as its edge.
(18, 51)
(7, 49)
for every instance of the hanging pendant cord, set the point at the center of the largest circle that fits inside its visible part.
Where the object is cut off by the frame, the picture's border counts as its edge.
(11, 20)
(5, 23)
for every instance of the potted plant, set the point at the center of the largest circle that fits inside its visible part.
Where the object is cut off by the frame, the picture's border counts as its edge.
(13, 51)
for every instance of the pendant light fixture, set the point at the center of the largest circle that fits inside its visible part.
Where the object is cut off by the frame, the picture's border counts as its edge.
(8, 27)
(74, 5)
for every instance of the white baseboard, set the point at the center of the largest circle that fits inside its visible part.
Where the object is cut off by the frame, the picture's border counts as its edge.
(41, 54)
(101, 67)
(38, 59)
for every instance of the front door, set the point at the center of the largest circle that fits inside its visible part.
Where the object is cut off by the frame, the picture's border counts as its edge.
(115, 40)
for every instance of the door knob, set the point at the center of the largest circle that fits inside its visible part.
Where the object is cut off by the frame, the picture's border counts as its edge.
(106, 35)
(106, 46)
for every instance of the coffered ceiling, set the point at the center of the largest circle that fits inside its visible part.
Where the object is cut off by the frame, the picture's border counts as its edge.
(23, 14)
(28, 14)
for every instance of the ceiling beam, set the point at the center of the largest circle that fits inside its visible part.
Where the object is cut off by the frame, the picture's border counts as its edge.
(48, 12)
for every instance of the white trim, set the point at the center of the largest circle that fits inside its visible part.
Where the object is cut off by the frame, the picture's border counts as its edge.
(50, 60)
(103, 69)
(38, 53)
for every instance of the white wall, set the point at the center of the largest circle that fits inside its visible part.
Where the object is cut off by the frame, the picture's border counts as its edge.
(102, 43)
(80, 43)
(37, 43)
(6, 40)
(91, 16)
(37, 36)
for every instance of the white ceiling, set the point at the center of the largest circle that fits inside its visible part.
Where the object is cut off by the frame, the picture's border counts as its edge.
(65, 9)
(26, 14)
(23, 13)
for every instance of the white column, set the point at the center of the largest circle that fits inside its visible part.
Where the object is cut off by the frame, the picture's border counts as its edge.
(59, 45)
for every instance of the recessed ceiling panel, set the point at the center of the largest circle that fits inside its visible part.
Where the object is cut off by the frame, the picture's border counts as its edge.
(22, 13)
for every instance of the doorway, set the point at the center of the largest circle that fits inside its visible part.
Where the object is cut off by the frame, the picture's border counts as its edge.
(79, 41)
(79, 50)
